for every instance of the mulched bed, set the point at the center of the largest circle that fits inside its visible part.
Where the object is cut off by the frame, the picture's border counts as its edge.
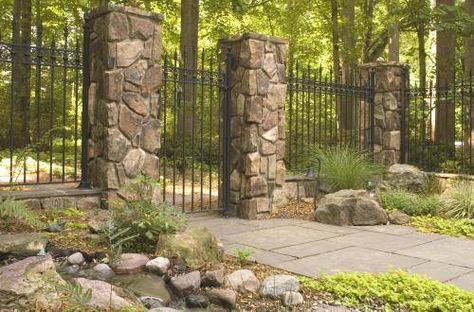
(297, 209)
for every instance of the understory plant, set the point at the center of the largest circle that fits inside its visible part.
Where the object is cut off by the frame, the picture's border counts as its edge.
(345, 167)
(398, 290)
(140, 219)
(453, 227)
(460, 203)
(411, 203)
(18, 211)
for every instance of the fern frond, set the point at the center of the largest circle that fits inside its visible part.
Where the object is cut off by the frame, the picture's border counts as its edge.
(11, 208)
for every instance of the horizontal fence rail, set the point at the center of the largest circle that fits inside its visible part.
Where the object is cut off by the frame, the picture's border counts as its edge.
(41, 104)
(321, 111)
(441, 127)
(191, 106)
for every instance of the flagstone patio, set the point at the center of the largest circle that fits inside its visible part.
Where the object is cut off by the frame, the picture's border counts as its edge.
(311, 248)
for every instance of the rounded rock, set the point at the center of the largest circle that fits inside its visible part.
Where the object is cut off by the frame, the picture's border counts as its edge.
(159, 265)
(75, 258)
(102, 271)
(291, 298)
(223, 297)
(130, 263)
(274, 286)
(242, 281)
(197, 302)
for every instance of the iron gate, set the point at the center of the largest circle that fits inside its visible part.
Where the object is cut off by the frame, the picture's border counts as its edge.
(41, 102)
(194, 104)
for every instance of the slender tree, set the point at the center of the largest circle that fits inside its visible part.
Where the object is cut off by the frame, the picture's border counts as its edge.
(468, 59)
(393, 33)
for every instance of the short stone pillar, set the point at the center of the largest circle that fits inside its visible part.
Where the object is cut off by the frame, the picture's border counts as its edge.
(390, 85)
(257, 123)
(125, 76)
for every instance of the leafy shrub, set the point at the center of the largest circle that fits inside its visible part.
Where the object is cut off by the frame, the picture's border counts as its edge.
(452, 227)
(460, 203)
(243, 255)
(74, 297)
(397, 289)
(432, 185)
(139, 217)
(17, 210)
(346, 168)
(410, 203)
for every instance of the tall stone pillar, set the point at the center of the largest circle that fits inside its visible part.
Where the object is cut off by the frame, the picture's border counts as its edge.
(125, 76)
(257, 122)
(391, 81)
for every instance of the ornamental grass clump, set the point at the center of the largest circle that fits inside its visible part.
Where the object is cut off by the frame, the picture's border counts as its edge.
(347, 168)
(410, 203)
(460, 203)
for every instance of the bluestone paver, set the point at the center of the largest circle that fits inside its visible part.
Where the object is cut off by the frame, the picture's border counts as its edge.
(311, 248)
(439, 271)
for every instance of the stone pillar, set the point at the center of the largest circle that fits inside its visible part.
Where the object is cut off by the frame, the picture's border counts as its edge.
(125, 75)
(257, 123)
(390, 84)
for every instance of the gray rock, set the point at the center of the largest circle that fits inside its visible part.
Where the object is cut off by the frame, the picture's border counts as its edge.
(56, 227)
(151, 302)
(23, 244)
(27, 282)
(197, 302)
(223, 297)
(95, 227)
(398, 217)
(102, 271)
(130, 263)
(186, 284)
(406, 177)
(159, 265)
(76, 258)
(163, 309)
(242, 281)
(291, 298)
(213, 278)
(71, 269)
(276, 285)
(104, 295)
(350, 207)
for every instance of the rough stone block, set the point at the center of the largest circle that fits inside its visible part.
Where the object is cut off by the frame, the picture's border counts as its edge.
(136, 102)
(151, 136)
(113, 85)
(250, 208)
(141, 28)
(251, 53)
(129, 122)
(117, 26)
(280, 149)
(267, 148)
(151, 166)
(392, 120)
(133, 162)
(271, 135)
(249, 139)
(157, 44)
(107, 113)
(272, 167)
(270, 121)
(153, 79)
(276, 96)
(254, 109)
(116, 145)
(136, 73)
(249, 82)
(263, 83)
(128, 52)
(255, 186)
(391, 140)
(235, 180)
(252, 164)
(280, 173)
(269, 65)
(235, 127)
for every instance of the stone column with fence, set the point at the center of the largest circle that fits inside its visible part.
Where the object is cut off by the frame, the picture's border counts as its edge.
(257, 122)
(390, 84)
(125, 76)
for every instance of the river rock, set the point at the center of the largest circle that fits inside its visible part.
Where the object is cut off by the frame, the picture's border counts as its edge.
(398, 217)
(71, 269)
(222, 297)
(349, 207)
(29, 282)
(159, 265)
(186, 284)
(130, 263)
(242, 281)
(104, 295)
(213, 278)
(102, 271)
(405, 176)
(274, 286)
(291, 298)
(23, 244)
(197, 302)
(76, 258)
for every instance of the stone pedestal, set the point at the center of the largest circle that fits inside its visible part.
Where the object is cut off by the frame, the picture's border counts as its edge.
(257, 123)
(125, 75)
(390, 83)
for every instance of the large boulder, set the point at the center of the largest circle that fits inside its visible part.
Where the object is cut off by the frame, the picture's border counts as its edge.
(130, 263)
(28, 283)
(406, 177)
(195, 247)
(23, 244)
(350, 207)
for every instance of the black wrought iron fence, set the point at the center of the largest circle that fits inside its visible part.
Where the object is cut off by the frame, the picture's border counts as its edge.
(321, 111)
(192, 105)
(41, 103)
(440, 131)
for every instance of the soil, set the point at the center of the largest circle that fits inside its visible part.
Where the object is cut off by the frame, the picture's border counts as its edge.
(297, 209)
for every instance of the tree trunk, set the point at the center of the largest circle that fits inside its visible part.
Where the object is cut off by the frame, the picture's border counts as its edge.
(421, 34)
(445, 65)
(346, 111)
(188, 48)
(369, 17)
(468, 76)
(335, 40)
(21, 73)
(394, 35)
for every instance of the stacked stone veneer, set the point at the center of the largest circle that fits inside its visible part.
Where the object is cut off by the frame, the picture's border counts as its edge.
(390, 81)
(125, 50)
(257, 123)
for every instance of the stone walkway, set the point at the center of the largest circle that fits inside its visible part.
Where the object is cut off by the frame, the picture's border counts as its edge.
(311, 248)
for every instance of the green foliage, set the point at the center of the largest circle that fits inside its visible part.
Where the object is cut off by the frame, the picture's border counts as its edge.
(397, 289)
(346, 168)
(75, 297)
(142, 218)
(116, 238)
(410, 203)
(452, 227)
(432, 185)
(460, 203)
(17, 210)
(243, 255)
